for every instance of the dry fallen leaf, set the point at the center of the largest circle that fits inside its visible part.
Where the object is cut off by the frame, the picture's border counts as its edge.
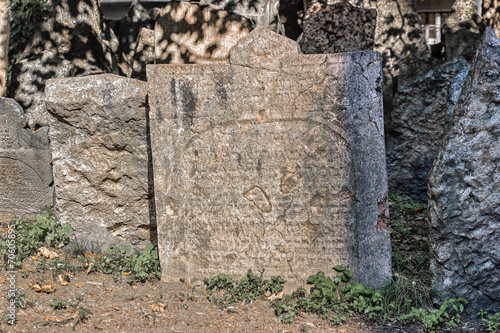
(159, 307)
(62, 279)
(53, 319)
(79, 284)
(47, 253)
(90, 267)
(35, 257)
(127, 273)
(48, 288)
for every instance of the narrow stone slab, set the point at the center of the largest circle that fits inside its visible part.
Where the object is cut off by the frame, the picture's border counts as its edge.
(98, 131)
(273, 162)
(25, 171)
(464, 189)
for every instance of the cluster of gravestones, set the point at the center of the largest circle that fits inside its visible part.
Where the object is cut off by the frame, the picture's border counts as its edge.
(258, 156)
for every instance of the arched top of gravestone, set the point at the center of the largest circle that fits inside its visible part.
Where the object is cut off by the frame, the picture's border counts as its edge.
(263, 48)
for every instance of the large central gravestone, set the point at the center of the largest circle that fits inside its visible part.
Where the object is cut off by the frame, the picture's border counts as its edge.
(273, 162)
(25, 171)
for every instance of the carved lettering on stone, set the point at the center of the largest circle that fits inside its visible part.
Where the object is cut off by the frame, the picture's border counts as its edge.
(255, 163)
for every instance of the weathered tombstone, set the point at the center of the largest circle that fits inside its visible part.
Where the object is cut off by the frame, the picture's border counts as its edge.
(462, 30)
(98, 132)
(28, 83)
(273, 162)
(340, 27)
(423, 107)
(144, 53)
(264, 13)
(25, 171)
(191, 33)
(464, 189)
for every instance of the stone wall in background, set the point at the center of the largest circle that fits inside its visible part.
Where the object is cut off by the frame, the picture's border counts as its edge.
(191, 33)
(491, 14)
(100, 156)
(25, 170)
(340, 27)
(464, 190)
(422, 110)
(273, 162)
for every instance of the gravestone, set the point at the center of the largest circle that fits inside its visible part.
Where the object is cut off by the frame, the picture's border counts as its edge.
(98, 132)
(25, 171)
(191, 33)
(464, 189)
(273, 162)
(419, 124)
(340, 27)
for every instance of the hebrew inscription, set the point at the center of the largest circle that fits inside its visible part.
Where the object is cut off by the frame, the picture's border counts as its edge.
(265, 162)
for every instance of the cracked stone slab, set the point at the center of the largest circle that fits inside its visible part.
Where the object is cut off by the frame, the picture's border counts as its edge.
(25, 170)
(98, 131)
(274, 161)
(464, 189)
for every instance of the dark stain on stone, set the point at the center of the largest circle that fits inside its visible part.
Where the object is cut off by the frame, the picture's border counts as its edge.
(383, 218)
(189, 102)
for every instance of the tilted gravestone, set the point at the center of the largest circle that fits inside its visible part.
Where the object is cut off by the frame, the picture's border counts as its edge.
(98, 132)
(273, 162)
(192, 33)
(464, 189)
(25, 171)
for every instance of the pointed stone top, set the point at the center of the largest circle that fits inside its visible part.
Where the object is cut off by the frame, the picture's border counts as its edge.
(262, 48)
(491, 38)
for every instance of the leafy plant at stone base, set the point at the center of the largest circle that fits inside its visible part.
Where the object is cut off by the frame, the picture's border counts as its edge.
(44, 231)
(332, 299)
(246, 290)
(491, 323)
(447, 316)
(139, 266)
(26, 18)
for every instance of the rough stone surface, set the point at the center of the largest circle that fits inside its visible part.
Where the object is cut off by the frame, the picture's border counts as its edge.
(401, 42)
(75, 31)
(28, 83)
(264, 13)
(25, 171)
(462, 30)
(98, 132)
(128, 32)
(340, 27)
(464, 189)
(255, 162)
(190, 33)
(144, 54)
(419, 123)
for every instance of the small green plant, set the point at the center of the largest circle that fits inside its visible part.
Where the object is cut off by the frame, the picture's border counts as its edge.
(491, 323)
(447, 316)
(31, 235)
(57, 304)
(246, 290)
(142, 266)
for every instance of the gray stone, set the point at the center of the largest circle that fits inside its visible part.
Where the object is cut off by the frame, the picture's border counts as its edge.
(462, 30)
(128, 30)
(264, 13)
(25, 171)
(340, 27)
(75, 31)
(419, 123)
(28, 83)
(144, 54)
(464, 189)
(191, 33)
(273, 162)
(98, 132)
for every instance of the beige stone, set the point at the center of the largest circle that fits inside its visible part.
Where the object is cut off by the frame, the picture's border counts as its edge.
(273, 162)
